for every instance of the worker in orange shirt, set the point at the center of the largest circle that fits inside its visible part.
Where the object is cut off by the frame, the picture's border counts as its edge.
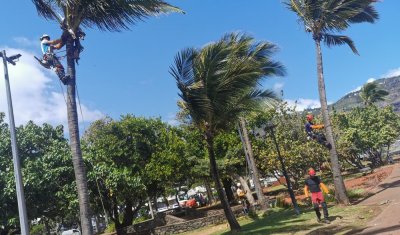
(314, 185)
(311, 134)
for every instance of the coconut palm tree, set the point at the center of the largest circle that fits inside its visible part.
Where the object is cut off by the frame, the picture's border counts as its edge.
(323, 19)
(217, 84)
(370, 93)
(104, 15)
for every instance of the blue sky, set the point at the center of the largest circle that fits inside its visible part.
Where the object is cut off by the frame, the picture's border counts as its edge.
(127, 72)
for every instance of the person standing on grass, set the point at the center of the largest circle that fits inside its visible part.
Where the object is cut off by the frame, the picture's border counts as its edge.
(314, 185)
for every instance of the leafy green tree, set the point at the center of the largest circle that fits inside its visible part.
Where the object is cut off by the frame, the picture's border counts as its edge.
(131, 160)
(105, 15)
(365, 131)
(45, 157)
(217, 84)
(371, 93)
(299, 154)
(323, 19)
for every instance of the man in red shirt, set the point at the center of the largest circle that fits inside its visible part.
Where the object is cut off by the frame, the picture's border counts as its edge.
(314, 184)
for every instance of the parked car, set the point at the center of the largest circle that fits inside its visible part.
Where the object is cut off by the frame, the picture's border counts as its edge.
(71, 232)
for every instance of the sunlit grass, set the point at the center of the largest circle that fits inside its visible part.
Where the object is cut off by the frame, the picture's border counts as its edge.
(285, 221)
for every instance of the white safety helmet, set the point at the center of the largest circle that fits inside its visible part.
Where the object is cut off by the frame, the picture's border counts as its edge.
(44, 36)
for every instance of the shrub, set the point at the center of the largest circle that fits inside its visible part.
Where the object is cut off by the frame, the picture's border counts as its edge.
(355, 194)
(280, 202)
(38, 229)
(110, 228)
(253, 214)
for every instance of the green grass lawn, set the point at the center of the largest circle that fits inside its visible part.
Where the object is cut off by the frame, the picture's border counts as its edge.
(284, 221)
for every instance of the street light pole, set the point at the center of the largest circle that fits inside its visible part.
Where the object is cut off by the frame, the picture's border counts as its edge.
(288, 183)
(17, 168)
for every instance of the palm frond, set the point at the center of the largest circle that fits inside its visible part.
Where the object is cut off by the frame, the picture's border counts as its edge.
(114, 15)
(111, 15)
(334, 40)
(192, 89)
(333, 16)
(166, 8)
(48, 9)
(370, 93)
(369, 14)
(183, 72)
(223, 78)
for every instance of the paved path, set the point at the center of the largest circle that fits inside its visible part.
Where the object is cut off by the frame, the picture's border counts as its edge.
(387, 195)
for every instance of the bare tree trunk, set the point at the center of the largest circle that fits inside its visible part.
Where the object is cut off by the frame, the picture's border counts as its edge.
(256, 179)
(209, 192)
(340, 189)
(221, 193)
(77, 160)
(246, 188)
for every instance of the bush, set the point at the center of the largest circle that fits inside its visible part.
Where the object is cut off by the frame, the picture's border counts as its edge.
(253, 214)
(110, 228)
(330, 198)
(280, 202)
(38, 229)
(355, 194)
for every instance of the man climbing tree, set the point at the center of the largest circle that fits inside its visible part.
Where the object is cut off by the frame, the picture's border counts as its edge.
(312, 134)
(50, 60)
(103, 15)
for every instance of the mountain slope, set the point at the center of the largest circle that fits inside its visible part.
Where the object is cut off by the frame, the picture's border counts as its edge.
(353, 99)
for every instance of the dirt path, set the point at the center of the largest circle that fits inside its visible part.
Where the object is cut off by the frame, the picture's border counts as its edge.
(388, 197)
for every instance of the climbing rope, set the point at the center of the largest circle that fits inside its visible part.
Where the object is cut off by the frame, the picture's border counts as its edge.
(62, 91)
(79, 102)
(80, 107)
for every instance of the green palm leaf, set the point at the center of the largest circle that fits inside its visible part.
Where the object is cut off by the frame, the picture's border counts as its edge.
(111, 15)
(325, 18)
(334, 40)
(221, 81)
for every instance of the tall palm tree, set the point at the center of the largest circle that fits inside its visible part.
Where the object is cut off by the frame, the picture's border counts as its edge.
(218, 83)
(105, 15)
(323, 19)
(371, 93)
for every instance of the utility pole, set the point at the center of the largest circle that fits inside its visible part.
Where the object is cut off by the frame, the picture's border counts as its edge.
(263, 202)
(288, 183)
(17, 167)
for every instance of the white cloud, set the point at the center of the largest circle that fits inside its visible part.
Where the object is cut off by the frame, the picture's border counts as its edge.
(392, 73)
(25, 42)
(302, 104)
(389, 74)
(370, 80)
(34, 96)
(359, 87)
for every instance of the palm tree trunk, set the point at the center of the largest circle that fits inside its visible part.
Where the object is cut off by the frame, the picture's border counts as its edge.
(256, 176)
(77, 160)
(221, 193)
(340, 189)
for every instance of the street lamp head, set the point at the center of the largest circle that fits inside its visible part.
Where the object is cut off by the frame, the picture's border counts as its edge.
(12, 59)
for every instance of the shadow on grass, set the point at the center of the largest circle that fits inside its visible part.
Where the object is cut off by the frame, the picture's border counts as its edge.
(281, 222)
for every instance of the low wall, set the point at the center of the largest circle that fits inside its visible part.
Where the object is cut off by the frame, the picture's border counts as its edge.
(145, 227)
(190, 225)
